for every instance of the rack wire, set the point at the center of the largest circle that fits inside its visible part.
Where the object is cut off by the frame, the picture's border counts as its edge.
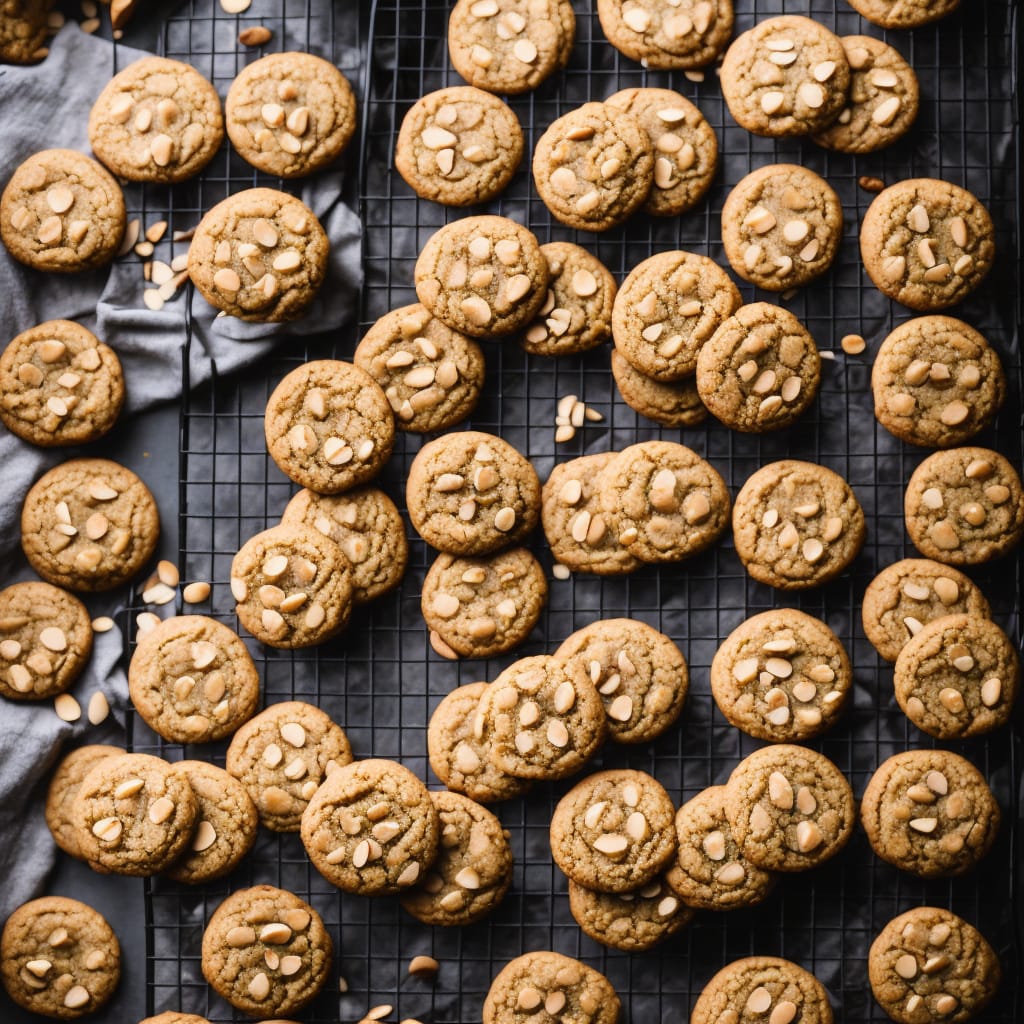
(381, 680)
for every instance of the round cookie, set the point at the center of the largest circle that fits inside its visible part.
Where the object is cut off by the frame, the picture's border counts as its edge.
(936, 382)
(371, 828)
(670, 403)
(59, 958)
(957, 677)
(710, 871)
(760, 370)
(747, 989)
(614, 831)
(59, 385)
(282, 756)
(510, 46)
(259, 255)
(667, 308)
(926, 243)
(903, 14)
(290, 114)
(785, 76)
(473, 868)
(226, 829)
(62, 212)
(89, 524)
(459, 757)
(484, 606)
(540, 722)
(640, 675)
(928, 964)
(133, 815)
(781, 226)
(192, 680)
(670, 503)
(266, 951)
(577, 314)
(570, 988)
(685, 146)
(157, 120)
(293, 587)
(367, 527)
(459, 146)
(328, 426)
(471, 493)
(63, 788)
(907, 595)
(431, 375)
(593, 167)
(929, 812)
(174, 1017)
(690, 34)
(23, 31)
(964, 506)
(781, 676)
(45, 640)
(883, 101)
(790, 808)
(796, 525)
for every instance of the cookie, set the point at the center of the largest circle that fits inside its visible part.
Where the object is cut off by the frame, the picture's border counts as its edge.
(173, 1017)
(510, 46)
(134, 815)
(59, 385)
(614, 831)
(930, 965)
(907, 595)
(293, 587)
(328, 426)
(710, 871)
(157, 120)
(685, 146)
(782, 676)
(23, 30)
(282, 756)
(473, 868)
(760, 370)
(936, 382)
(673, 403)
(964, 506)
(266, 951)
(540, 721)
(670, 503)
(89, 524)
(368, 528)
(482, 276)
(593, 167)
(926, 243)
(577, 314)
(747, 989)
(640, 675)
(790, 808)
(781, 226)
(484, 606)
(667, 308)
(259, 255)
(59, 958)
(371, 828)
(459, 146)
(883, 101)
(565, 987)
(63, 788)
(796, 525)
(903, 14)
(45, 640)
(957, 677)
(290, 114)
(688, 35)
(226, 829)
(929, 812)
(471, 493)
(62, 212)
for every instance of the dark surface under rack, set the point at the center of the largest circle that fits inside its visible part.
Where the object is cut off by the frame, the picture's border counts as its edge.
(381, 680)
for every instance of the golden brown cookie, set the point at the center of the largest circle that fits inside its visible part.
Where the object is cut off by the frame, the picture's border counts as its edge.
(63, 788)
(688, 34)
(672, 403)
(758, 988)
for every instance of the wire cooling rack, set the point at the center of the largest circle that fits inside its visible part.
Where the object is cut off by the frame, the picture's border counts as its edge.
(381, 680)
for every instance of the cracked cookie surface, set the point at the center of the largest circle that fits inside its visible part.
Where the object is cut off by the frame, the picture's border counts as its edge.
(674, 403)
(688, 34)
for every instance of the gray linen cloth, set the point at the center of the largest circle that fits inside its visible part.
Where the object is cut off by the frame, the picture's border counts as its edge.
(47, 106)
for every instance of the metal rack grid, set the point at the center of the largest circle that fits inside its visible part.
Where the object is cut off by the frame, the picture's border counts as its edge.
(381, 680)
